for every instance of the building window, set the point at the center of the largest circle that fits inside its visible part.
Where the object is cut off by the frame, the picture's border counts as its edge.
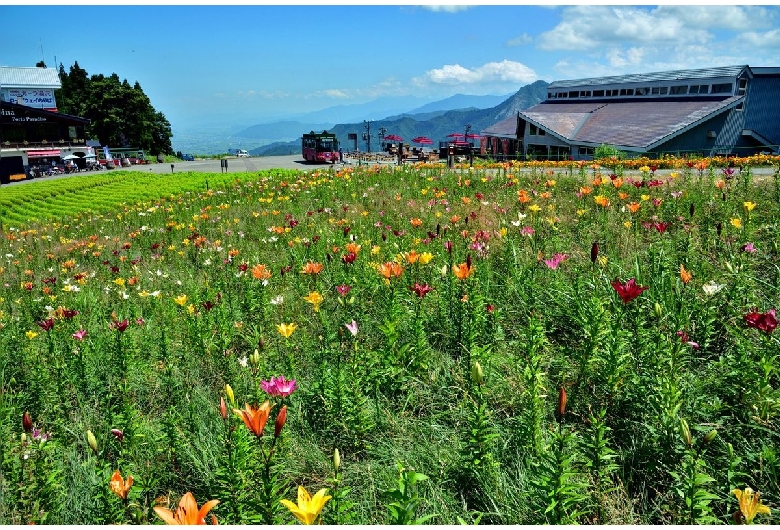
(626, 91)
(722, 88)
(598, 93)
(678, 90)
(699, 89)
(742, 87)
(739, 107)
(586, 150)
(644, 91)
(574, 94)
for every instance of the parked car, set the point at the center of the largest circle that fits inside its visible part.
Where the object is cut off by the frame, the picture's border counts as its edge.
(187, 157)
(241, 153)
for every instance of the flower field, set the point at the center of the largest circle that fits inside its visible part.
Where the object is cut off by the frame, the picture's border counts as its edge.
(504, 344)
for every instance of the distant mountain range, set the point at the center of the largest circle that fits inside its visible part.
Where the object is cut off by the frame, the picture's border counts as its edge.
(407, 117)
(432, 120)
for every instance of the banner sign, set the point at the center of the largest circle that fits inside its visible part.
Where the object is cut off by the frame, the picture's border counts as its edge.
(32, 98)
(41, 154)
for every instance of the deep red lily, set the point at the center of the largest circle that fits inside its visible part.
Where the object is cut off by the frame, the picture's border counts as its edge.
(766, 322)
(629, 290)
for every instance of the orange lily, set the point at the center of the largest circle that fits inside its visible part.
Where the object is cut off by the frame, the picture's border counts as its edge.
(119, 485)
(255, 418)
(312, 267)
(187, 512)
(390, 269)
(261, 272)
(462, 270)
(685, 275)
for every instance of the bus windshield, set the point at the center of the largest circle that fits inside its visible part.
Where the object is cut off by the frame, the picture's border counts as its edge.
(327, 144)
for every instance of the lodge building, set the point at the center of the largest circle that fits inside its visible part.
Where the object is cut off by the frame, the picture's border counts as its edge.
(732, 110)
(32, 132)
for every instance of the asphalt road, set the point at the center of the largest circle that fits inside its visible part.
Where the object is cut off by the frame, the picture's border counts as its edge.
(235, 165)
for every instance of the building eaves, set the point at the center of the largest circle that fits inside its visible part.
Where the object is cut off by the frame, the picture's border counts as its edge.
(506, 128)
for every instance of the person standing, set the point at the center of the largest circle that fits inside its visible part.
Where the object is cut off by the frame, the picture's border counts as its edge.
(341, 154)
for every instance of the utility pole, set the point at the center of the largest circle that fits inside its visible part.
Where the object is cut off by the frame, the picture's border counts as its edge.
(382, 132)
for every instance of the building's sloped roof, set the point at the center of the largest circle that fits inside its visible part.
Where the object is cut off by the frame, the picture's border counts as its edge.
(626, 123)
(506, 128)
(670, 75)
(29, 77)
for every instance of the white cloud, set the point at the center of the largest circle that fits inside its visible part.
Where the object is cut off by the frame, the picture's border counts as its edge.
(446, 8)
(613, 40)
(493, 73)
(736, 18)
(335, 93)
(591, 27)
(520, 40)
(769, 39)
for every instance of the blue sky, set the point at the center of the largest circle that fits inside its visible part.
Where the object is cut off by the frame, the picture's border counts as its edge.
(257, 63)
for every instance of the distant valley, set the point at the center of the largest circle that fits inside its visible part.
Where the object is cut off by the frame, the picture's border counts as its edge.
(433, 119)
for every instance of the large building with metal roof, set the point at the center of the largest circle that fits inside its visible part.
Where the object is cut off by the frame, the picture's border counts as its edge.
(33, 134)
(733, 110)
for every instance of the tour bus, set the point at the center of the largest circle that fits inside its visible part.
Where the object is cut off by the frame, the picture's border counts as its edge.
(132, 154)
(320, 147)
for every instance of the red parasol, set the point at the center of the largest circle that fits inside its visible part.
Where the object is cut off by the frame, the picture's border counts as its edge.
(456, 135)
(394, 138)
(424, 140)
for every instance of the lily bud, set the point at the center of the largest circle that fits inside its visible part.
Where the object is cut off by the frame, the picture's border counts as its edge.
(118, 434)
(719, 228)
(730, 267)
(222, 408)
(230, 396)
(594, 252)
(691, 210)
(710, 436)
(26, 422)
(23, 438)
(658, 310)
(281, 419)
(254, 358)
(686, 432)
(562, 398)
(92, 441)
(336, 460)
(477, 375)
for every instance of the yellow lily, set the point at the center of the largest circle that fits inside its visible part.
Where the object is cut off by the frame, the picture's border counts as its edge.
(285, 330)
(749, 504)
(308, 507)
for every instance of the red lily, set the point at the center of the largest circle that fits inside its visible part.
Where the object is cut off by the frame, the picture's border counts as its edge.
(629, 290)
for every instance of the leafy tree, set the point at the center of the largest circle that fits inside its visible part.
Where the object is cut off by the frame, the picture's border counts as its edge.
(121, 115)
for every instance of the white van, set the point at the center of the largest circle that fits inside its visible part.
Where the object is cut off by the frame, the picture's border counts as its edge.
(242, 153)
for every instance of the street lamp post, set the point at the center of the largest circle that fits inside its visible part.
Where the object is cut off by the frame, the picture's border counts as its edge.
(471, 150)
(382, 132)
(368, 134)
